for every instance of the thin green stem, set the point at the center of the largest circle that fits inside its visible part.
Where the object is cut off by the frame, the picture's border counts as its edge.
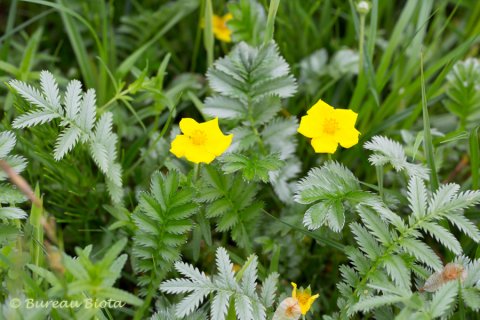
(427, 141)
(272, 13)
(361, 39)
(208, 39)
(379, 170)
(474, 158)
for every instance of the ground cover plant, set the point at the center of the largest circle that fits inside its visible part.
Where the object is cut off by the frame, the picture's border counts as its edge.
(242, 159)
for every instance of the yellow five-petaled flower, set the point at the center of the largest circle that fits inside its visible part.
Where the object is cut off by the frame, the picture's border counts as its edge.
(220, 28)
(329, 127)
(200, 142)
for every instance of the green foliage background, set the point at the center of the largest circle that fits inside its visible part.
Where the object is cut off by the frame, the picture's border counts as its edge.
(402, 67)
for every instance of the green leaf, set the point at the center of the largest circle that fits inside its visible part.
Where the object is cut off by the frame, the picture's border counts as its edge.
(471, 296)
(398, 271)
(443, 299)
(253, 168)
(422, 252)
(163, 221)
(248, 23)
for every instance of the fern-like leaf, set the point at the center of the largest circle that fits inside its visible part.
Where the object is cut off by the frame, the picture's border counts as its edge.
(223, 287)
(389, 151)
(78, 118)
(231, 201)
(328, 187)
(163, 221)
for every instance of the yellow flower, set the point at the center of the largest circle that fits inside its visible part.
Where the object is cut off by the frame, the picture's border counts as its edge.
(304, 298)
(329, 127)
(200, 142)
(220, 28)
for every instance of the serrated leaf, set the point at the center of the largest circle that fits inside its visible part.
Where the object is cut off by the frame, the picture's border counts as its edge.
(374, 302)
(422, 252)
(417, 197)
(12, 213)
(50, 90)
(31, 94)
(34, 118)
(87, 114)
(224, 108)
(100, 155)
(443, 298)
(66, 141)
(398, 271)
(73, 99)
(471, 296)
(443, 236)
(465, 225)
(7, 143)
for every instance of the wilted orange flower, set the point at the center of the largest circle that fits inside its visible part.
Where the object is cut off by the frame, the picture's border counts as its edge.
(329, 127)
(288, 309)
(200, 142)
(220, 28)
(451, 272)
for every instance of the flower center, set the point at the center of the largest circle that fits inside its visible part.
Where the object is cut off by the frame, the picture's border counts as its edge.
(198, 137)
(290, 311)
(303, 298)
(330, 126)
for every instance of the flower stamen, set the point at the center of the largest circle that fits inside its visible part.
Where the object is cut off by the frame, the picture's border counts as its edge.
(198, 137)
(330, 126)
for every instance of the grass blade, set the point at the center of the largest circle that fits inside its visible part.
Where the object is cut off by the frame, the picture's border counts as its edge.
(427, 141)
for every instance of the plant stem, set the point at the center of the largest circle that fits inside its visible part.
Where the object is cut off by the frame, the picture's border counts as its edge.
(379, 170)
(427, 140)
(272, 13)
(361, 38)
(474, 158)
(208, 39)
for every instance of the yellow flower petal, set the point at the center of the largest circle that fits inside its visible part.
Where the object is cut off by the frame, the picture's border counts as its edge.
(294, 291)
(197, 154)
(220, 28)
(309, 126)
(348, 137)
(306, 306)
(211, 126)
(321, 108)
(324, 144)
(220, 144)
(328, 127)
(346, 117)
(303, 297)
(188, 125)
(201, 142)
(179, 145)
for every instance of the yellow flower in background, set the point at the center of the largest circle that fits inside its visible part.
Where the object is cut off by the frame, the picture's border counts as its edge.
(200, 142)
(304, 298)
(329, 127)
(220, 28)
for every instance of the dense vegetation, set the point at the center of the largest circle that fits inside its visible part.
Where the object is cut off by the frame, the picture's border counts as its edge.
(197, 159)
